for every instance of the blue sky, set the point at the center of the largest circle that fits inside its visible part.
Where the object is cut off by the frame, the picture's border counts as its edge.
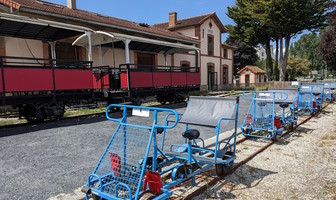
(156, 11)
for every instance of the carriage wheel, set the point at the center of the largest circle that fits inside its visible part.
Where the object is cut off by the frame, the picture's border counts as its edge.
(163, 102)
(147, 195)
(222, 170)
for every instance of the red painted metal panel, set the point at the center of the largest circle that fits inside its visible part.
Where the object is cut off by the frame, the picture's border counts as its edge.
(194, 78)
(161, 79)
(73, 79)
(179, 78)
(141, 79)
(123, 80)
(1, 86)
(28, 79)
(101, 81)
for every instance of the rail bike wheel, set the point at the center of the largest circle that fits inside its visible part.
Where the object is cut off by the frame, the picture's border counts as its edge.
(275, 137)
(95, 197)
(181, 171)
(147, 195)
(222, 170)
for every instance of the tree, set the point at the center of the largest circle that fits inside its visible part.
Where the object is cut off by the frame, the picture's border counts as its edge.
(327, 45)
(292, 17)
(249, 29)
(306, 47)
(259, 21)
(297, 67)
(243, 54)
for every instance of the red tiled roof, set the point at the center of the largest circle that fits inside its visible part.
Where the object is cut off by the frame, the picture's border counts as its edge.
(50, 8)
(185, 22)
(192, 21)
(254, 69)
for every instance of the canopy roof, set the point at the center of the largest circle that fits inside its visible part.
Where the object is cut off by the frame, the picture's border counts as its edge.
(137, 43)
(31, 28)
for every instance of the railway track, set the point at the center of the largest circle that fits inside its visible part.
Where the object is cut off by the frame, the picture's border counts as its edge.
(207, 180)
(16, 114)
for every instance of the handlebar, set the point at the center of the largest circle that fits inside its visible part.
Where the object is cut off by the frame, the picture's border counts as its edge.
(264, 94)
(154, 109)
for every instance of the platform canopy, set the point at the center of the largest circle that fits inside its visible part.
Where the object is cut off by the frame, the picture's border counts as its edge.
(31, 28)
(135, 43)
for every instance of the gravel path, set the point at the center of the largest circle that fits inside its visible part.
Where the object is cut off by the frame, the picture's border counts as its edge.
(45, 160)
(302, 166)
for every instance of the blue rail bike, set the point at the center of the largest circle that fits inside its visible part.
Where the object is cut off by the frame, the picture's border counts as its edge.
(214, 113)
(310, 98)
(290, 112)
(329, 91)
(120, 172)
(261, 120)
(133, 165)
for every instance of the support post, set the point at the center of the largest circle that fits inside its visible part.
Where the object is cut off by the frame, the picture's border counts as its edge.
(53, 52)
(198, 65)
(3, 81)
(127, 42)
(100, 56)
(165, 59)
(88, 33)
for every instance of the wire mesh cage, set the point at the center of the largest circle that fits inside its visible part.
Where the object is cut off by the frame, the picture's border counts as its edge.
(120, 166)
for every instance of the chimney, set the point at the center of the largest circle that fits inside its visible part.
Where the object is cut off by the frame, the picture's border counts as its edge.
(71, 4)
(172, 19)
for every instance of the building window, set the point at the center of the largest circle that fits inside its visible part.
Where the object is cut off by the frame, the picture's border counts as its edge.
(225, 52)
(145, 60)
(185, 65)
(210, 45)
(202, 33)
(225, 75)
(262, 54)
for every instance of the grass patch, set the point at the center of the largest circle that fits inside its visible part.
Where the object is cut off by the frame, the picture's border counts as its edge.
(199, 93)
(12, 121)
(84, 111)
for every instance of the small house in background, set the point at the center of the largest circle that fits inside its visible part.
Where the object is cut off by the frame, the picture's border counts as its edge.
(251, 74)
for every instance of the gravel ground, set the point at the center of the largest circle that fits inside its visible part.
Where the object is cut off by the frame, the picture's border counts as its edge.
(54, 159)
(302, 166)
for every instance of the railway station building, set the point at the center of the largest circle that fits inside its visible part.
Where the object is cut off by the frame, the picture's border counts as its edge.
(52, 31)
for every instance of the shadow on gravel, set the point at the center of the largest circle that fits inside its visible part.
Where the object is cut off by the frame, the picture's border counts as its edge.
(244, 177)
(298, 133)
(68, 122)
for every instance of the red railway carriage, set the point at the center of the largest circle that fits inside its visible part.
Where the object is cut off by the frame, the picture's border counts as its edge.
(41, 88)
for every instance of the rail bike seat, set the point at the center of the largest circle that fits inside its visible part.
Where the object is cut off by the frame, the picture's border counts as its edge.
(316, 93)
(159, 130)
(191, 134)
(208, 111)
(284, 105)
(262, 103)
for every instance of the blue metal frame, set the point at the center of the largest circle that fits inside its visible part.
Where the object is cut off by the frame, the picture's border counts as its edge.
(94, 178)
(192, 154)
(261, 114)
(310, 94)
(329, 91)
(96, 183)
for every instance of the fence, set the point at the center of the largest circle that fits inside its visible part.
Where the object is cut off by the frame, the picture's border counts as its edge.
(248, 86)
